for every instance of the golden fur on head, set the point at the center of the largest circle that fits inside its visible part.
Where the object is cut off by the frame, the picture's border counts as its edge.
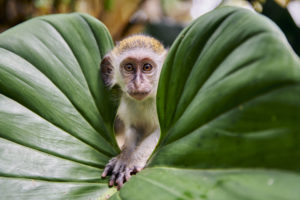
(139, 41)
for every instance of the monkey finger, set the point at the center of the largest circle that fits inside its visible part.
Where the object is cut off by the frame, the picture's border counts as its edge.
(115, 174)
(120, 180)
(112, 180)
(127, 174)
(108, 168)
(116, 169)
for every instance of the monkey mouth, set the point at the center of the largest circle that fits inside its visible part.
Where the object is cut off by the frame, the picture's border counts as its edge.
(139, 95)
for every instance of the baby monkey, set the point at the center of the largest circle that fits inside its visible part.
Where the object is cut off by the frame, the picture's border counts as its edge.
(134, 65)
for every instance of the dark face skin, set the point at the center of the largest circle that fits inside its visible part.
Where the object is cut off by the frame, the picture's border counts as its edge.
(139, 76)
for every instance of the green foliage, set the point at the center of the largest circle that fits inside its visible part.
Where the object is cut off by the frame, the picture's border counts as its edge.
(228, 103)
(55, 114)
(235, 184)
(234, 97)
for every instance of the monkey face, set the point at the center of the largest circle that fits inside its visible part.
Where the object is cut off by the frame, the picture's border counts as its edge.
(134, 65)
(139, 77)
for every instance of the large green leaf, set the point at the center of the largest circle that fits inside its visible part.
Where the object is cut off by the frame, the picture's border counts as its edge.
(234, 100)
(55, 114)
(191, 184)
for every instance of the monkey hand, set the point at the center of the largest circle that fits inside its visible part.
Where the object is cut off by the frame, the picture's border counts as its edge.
(121, 168)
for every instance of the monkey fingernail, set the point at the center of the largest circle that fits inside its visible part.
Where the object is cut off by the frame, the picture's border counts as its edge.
(127, 175)
(112, 180)
(111, 183)
(138, 169)
(106, 171)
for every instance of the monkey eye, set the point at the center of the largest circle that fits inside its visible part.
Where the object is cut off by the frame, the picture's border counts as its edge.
(128, 67)
(147, 67)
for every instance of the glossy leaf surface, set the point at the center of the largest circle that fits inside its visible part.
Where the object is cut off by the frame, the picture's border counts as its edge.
(186, 184)
(234, 100)
(55, 114)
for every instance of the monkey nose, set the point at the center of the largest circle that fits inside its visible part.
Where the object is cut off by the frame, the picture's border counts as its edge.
(139, 95)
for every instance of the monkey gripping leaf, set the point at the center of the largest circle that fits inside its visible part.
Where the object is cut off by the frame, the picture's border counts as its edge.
(228, 103)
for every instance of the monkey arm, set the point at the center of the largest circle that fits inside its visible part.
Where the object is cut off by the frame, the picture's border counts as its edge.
(144, 150)
(133, 158)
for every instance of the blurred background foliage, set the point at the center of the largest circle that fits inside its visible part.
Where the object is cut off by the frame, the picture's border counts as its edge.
(163, 19)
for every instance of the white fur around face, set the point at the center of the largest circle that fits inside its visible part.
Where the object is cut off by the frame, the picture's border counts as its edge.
(134, 112)
(137, 53)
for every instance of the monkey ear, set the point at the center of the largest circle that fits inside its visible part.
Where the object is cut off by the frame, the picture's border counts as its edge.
(106, 70)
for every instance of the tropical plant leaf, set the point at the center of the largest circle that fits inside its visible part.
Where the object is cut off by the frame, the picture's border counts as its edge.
(197, 184)
(234, 100)
(56, 116)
